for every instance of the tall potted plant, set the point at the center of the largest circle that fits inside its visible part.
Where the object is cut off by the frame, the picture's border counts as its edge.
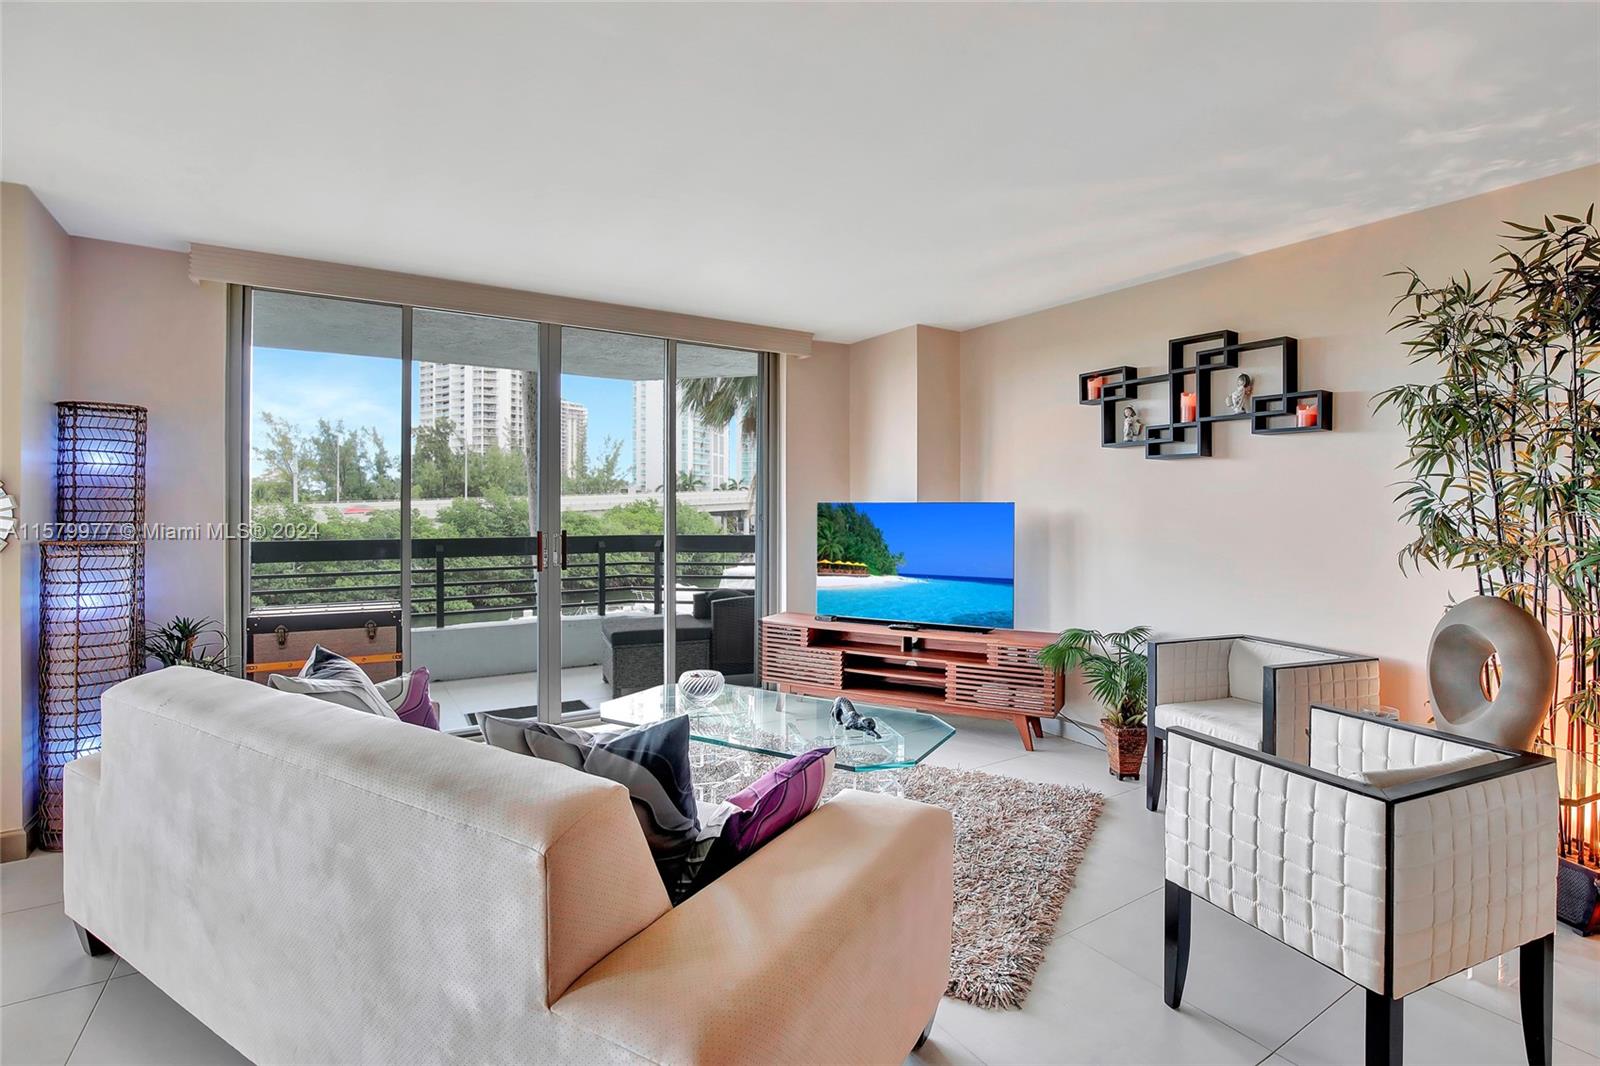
(1503, 465)
(1114, 666)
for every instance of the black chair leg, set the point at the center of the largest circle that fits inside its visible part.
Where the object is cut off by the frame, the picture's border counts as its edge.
(92, 945)
(1176, 938)
(1385, 1031)
(1156, 759)
(1537, 962)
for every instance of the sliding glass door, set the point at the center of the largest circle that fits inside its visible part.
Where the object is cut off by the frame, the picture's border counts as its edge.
(716, 431)
(324, 435)
(554, 523)
(644, 597)
(473, 504)
(609, 433)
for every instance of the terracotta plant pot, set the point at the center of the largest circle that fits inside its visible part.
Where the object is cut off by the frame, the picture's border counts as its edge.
(1124, 749)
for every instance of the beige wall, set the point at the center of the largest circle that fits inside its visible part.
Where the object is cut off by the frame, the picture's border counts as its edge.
(875, 420)
(938, 414)
(144, 333)
(905, 430)
(90, 320)
(35, 309)
(883, 417)
(816, 432)
(1291, 536)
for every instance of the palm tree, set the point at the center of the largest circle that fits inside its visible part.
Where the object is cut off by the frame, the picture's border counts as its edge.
(718, 401)
(829, 544)
(1113, 664)
(688, 481)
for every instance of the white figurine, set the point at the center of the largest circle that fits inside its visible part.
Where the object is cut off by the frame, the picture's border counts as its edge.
(1132, 428)
(1239, 398)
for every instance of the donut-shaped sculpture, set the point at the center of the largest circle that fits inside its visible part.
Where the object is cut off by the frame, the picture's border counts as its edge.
(1467, 635)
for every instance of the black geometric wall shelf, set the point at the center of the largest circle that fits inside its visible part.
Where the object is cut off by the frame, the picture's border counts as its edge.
(1191, 361)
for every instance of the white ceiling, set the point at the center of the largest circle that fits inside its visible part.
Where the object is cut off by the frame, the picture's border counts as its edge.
(843, 169)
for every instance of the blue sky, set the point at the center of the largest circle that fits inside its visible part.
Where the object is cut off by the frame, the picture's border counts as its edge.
(365, 391)
(610, 404)
(948, 539)
(306, 386)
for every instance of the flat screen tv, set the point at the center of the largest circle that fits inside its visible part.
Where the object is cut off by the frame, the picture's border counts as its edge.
(937, 564)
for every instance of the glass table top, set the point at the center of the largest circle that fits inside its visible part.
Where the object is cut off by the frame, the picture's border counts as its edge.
(784, 725)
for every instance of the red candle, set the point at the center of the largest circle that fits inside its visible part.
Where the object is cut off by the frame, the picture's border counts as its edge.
(1189, 403)
(1305, 415)
(1095, 385)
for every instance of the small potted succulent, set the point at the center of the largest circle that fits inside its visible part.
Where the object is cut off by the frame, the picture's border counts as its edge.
(1113, 665)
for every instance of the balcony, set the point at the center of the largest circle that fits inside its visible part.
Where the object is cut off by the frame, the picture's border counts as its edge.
(474, 601)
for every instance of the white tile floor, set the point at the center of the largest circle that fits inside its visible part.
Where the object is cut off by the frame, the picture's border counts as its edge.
(1097, 997)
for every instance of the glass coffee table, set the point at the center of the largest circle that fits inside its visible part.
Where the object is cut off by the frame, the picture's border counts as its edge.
(784, 725)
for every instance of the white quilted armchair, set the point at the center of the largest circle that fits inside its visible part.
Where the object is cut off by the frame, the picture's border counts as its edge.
(1249, 691)
(1392, 855)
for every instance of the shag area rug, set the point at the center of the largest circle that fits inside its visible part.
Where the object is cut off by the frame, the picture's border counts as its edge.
(1017, 846)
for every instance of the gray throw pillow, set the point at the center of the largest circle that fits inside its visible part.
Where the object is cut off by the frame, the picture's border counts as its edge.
(652, 762)
(330, 676)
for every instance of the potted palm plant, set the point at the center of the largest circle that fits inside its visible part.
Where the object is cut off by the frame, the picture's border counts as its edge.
(1113, 665)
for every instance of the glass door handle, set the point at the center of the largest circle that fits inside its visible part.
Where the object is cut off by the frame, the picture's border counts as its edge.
(563, 550)
(538, 552)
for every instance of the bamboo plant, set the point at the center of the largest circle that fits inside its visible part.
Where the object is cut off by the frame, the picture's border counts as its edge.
(1503, 464)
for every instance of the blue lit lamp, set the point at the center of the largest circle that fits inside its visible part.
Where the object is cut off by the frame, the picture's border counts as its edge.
(91, 590)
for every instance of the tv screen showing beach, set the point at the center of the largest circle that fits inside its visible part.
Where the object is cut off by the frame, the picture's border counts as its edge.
(936, 563)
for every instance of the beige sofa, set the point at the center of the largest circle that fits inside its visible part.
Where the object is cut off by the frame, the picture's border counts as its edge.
(320, 885)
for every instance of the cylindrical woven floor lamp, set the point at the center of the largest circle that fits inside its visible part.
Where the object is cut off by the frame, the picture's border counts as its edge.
(88, 641)
(100, 491)
(91, 590)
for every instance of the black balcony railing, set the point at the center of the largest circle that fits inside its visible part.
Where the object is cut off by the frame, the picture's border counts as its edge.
(459, 579)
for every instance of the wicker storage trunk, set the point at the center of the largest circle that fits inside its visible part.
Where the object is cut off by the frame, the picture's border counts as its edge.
(278, 639)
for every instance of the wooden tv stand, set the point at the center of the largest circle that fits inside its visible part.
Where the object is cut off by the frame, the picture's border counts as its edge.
(988, 675)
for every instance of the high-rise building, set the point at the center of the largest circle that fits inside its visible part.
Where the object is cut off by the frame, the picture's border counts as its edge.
(743, 465)
(702, 449)
(487, 410)
(484, 404)
(574, 438)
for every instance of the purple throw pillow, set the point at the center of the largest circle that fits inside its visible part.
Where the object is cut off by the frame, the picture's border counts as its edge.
(414, 705)
(775, 802)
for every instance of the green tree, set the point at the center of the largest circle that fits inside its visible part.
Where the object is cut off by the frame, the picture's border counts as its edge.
(385, 484)
(285, 451)
(436, 471)
(497, 470)
(845, 534)
(598, 480)
(339, 462)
